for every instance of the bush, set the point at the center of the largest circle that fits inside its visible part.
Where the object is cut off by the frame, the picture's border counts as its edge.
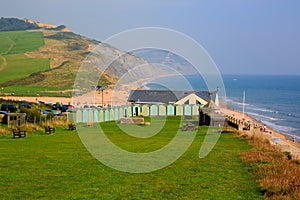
(50, 116)
(32, 115)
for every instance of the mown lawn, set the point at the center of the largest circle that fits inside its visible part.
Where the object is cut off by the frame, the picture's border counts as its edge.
(20, 41)
(57, 166)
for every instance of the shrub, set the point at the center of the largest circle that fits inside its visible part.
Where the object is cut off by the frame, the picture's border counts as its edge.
(50, 116)
(32, 115)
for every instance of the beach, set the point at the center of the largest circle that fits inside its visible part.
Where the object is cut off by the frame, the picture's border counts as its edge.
(277, 139)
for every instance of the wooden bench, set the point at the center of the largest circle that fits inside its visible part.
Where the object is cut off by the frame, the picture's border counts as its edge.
(49, 130)
(72, 127)
(189, 127)
(19, 133)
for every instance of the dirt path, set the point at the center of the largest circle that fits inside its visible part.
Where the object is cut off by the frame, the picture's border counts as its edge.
(12, 45)
(4, 63)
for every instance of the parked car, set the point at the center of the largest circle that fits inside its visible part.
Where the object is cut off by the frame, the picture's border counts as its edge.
(55, 112)
(9, 108)
(3, 117)
(3, 113)
(93, 107)
(62, 108)
(56, 107)
(72, 110)
(65, 107)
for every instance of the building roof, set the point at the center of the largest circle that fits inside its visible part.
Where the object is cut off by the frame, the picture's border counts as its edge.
(166, 96)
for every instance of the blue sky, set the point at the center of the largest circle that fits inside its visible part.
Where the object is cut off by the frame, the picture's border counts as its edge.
(242, 36)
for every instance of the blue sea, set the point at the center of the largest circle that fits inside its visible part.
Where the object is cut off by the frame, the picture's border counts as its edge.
(273, 99)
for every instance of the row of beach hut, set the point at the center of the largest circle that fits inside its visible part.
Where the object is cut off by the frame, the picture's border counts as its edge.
(116, 113)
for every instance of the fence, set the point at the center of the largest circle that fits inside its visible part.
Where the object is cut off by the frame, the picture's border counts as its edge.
(116, 113)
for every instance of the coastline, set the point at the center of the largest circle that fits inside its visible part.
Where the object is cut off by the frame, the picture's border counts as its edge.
(276, 138)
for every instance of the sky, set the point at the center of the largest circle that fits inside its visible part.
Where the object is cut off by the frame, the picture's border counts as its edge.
(241, 36)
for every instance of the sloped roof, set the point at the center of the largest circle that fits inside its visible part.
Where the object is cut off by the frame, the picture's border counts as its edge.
(166, 96)
(206, 95)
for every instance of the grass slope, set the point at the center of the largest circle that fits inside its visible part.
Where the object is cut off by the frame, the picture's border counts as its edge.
(40, 61)
(58, 166)
(20, 66)
(65, 52)
(15, 64)
(20, 41)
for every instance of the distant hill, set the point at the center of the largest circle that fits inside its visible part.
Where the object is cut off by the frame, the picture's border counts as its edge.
(37, 58)
(14, 24)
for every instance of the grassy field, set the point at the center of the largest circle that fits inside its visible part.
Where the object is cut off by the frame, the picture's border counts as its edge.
(35, 91)
(26, 57)
(13, 46)
(57, 166)
(20, 41)
(20, 66)
(1, 61)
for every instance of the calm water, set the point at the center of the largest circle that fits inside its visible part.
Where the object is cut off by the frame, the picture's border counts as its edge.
(275, 100)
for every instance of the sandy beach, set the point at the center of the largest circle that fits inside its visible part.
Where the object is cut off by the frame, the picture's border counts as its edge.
(277, 139)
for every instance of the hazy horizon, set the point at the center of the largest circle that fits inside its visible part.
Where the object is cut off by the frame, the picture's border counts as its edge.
(242, 37)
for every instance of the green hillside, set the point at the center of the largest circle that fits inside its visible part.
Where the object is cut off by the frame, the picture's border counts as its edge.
(14, 63)
(20, 41)
(37, 61)
(19, 66)
(45, 61)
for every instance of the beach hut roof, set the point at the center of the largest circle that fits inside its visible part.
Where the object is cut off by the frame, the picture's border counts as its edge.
(167, 96)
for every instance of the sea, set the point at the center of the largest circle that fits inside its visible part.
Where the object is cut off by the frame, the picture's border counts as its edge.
(271, 99)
